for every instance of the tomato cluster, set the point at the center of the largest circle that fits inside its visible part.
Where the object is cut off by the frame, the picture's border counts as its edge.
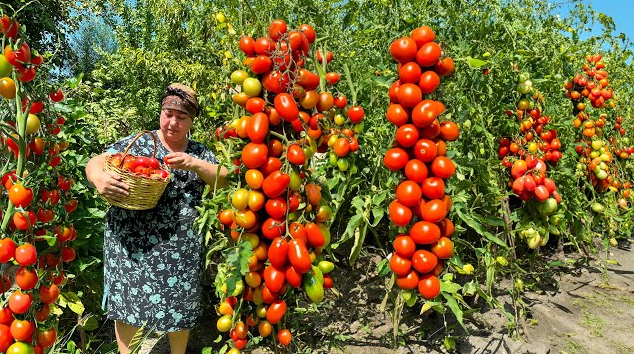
(277, 207)
(36, 201)
(527, 156)
(146, 167)
(420, 152)
(598, 146)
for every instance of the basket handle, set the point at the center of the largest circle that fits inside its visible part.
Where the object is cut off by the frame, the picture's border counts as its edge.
(125, 153)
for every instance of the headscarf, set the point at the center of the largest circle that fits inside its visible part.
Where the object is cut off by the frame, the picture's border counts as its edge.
(181, 98)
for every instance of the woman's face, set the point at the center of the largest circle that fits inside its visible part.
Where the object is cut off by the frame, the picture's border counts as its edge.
(175, 124)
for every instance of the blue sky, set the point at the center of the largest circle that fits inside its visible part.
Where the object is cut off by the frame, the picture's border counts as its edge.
(621, 12)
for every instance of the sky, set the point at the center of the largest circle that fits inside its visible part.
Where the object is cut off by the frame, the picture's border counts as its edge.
(621, 12)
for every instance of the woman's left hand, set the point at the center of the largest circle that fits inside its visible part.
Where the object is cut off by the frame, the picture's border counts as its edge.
(181, 161)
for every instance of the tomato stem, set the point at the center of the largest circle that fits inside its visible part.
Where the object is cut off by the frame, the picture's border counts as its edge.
(353, 92)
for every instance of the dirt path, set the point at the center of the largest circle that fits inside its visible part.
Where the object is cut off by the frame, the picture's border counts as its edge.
(580, 314)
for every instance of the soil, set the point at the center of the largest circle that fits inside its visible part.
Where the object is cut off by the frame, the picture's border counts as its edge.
(572, 311)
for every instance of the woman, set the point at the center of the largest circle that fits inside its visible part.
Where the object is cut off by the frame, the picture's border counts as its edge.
(153, 259)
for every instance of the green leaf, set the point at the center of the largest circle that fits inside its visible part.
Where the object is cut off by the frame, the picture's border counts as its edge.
(91, 324)
(383, 268)
(377, 213)
(87, 262)
(455, 308)
(477, 226)
(449, 287)
(475, 63)
(73, 302)
(555, 264)
(359, 237)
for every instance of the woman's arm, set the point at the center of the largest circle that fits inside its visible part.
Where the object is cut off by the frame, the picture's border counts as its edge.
(208, 172)
(107, 183)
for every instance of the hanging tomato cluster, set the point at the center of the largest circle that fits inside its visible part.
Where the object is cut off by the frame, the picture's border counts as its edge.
(526, 157)
(278, 206)
(596, 154)
(419, 151)
(36, 200)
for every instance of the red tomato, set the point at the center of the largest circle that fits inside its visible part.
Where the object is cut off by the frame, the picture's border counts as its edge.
(314, 235)
(356, 114)
(286, 106)
(428, 54)
(21, 330)
(443, 167)
(407, 135)
(274, 278)
(264, 46)
(395, 159)
(400, 265)
(308, 32)
(429, 286)
(26, 278)
(298, 256)
(409, 73)
(449, 131)
(20, 197)
(443, 248)
(397, 115)
(424, 233)
(276, 311)
(46, 338)
(409, 281)
(285, 337)
(416, 170)
(429, 81)
(254, 155)
(408, 193)
(445, 67)
(19, 303)
(258, 127)
(295, 155)
(424, 261)
(26, 255)
(276, 208)
(22, 221)
(275, 184)
(341, 147)
(425, 150)
(49, 294)
(409, 95)
(422, 35)
(403, 49)
(433, 188)
(404, 246)
(6, 339)
(399, 213)
(434, 210)
(277, 29)
(7, 249)
(247, 45)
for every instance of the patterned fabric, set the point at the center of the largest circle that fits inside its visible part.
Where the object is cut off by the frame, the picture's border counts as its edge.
(153, 259)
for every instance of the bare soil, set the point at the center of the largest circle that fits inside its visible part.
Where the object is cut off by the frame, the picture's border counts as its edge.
(574, 311)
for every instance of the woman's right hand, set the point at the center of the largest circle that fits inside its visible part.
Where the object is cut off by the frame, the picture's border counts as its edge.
(109, 185)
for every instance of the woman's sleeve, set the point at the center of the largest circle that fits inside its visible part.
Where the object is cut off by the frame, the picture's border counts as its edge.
(209, 156)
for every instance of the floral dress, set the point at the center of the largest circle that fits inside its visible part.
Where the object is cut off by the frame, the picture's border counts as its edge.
(154, 259)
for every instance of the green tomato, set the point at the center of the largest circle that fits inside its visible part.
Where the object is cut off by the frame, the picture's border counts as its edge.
(314, 285)
(502, 261)
(596, 144)
(343, 164)
(524, 104)
(523, 89)
(522, 78)
(486, 55)
(224, 323)
(332, 140)
(548, 206)
(353, 169)
(296, 181)
(326, 266)
(597, 207)
(239, 76)
(602, 175)
(5, 67)
(332, 159)
(252, 87)
(358, 128)
(534, 241)
(339, 119)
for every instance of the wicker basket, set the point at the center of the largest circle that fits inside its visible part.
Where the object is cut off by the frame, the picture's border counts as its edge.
(144, 193)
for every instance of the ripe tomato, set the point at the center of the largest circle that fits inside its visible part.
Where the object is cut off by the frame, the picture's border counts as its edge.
(68, 254)
(26, 278)
(404, 246)
(400, 265)
(19, 302)
(422, 35)
(409, 73)
(399, 213)
(286, 106)
(325, 102)
(274, 278)
(397, 115)
(424, 233)
(409, 193)
(46, 338)
(298, 256)
(407, 135)
(425, 150)
(409, 281)
(428, 82)
(445, 67)
(403, 49)
(254, 155)
(429, 286)
(308, 32)
(258, 127)
(416, 170)
(7, 249)
(6, 316)
(20, 196)
(332, 78)
(260, 65)
(277, 29)
(49, 294)
(443, 248)
(272, 228)
(314, 236)
(424, 261)
(443, 167)
(428, 54)
(247, 45)
(21, 330)
(298, 231)
(278, 253)
(356, 114)
(341, 147)
(22, 221)
(43, 313)
(56, 96)
(276, 208)
(295, 155)
(264, 46)
(449, 131)
(276, 311)
(5, 337)
(395, 159)
(284, 336)
(434, 210)
(409, 95)
(309, 99)
(433, 188)
(265, 328)
(26, 255)
(275, 184)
